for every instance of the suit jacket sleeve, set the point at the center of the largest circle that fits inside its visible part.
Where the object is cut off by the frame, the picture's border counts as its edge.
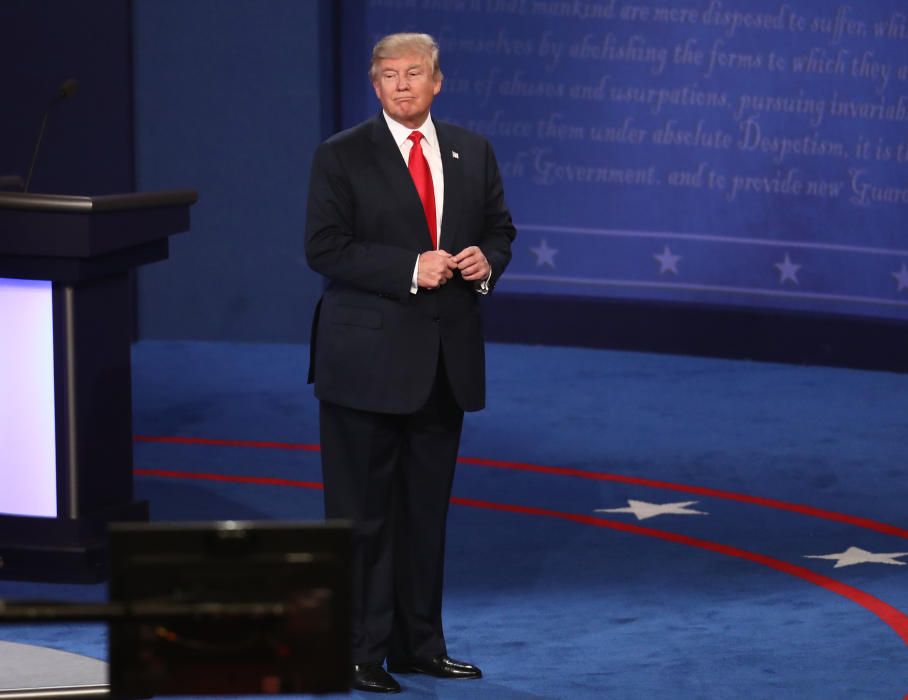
(498, 230)
(333, 250)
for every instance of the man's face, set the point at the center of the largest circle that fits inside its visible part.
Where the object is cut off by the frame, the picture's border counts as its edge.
(405, 86)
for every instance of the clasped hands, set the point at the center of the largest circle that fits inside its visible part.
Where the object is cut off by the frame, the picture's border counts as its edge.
(436, 267)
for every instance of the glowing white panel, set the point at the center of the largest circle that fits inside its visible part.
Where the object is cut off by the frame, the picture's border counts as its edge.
(28, 452)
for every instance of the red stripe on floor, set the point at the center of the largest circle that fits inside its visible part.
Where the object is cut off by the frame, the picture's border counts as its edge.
(203, 476)
(810, 511)
(178, 440)
(892, 617)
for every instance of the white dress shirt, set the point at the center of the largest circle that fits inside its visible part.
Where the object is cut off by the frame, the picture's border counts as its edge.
(432, 151)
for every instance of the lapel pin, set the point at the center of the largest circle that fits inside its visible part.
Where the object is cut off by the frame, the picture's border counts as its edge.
(455, 154)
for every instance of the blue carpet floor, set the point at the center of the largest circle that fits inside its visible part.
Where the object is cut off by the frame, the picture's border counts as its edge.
(554, 585)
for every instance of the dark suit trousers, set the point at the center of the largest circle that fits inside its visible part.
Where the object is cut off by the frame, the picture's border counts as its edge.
(391, 475)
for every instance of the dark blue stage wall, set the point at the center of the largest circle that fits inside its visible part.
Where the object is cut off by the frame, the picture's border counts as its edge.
(87, 145)
(229, 100)
(720, 152)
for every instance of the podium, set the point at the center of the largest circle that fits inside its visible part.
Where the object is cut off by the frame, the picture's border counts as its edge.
(65, 372)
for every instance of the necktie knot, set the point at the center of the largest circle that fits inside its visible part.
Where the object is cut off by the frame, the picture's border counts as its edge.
(415, 137)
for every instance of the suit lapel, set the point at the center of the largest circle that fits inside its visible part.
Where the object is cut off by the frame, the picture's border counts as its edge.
(392, 167)
(453, 173)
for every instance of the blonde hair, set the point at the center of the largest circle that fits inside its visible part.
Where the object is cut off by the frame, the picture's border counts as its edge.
(396, 45)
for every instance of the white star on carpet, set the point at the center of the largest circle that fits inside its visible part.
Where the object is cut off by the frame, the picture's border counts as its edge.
(902, 277)
(668, 262)
(788, 271)
(544, 254)
(856, 555)
(643, 510)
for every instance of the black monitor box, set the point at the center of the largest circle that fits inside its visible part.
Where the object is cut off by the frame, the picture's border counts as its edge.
(229, 608)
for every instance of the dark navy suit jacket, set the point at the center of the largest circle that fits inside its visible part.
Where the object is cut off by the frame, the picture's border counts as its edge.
(375, 346)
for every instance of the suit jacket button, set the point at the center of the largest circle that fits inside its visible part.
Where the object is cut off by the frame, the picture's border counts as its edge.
(436, 318)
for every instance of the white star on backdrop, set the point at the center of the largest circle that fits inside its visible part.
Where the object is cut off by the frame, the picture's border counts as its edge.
(668, 262)
(544, 254)
(643, 510)
(902, 277)
(788, 271)
(856, 555)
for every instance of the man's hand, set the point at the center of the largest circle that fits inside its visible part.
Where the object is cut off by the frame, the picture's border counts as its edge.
(435, 268)
(472, 264)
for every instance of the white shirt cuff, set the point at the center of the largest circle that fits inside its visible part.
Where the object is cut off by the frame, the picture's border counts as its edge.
(414, 286)
(483, 287)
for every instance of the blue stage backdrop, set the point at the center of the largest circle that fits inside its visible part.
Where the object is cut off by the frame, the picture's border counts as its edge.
(231, 98)
(736, 152)
(87, 144)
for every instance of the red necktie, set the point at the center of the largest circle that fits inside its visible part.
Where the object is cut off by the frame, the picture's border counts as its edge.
(422, 178)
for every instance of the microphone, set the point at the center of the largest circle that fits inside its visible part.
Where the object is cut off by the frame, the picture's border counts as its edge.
(65, 91)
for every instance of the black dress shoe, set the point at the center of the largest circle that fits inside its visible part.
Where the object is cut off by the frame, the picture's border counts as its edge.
(440, 667)
(373, 679)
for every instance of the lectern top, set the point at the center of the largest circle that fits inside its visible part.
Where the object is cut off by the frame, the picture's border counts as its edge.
(65, 238)
(111, 202)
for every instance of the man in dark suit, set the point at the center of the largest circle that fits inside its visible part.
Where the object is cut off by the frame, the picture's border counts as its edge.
(407, 220)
